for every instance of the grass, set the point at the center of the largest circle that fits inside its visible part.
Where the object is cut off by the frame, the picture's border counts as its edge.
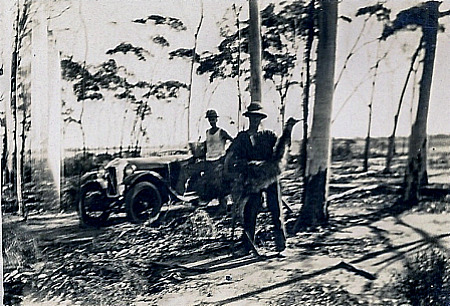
(426, 280)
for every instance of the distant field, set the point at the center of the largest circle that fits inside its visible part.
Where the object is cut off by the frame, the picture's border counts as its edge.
(436, 144)
(438, 153)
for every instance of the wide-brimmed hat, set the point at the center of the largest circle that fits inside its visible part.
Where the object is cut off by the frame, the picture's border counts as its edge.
(211, 113)
(255, 109)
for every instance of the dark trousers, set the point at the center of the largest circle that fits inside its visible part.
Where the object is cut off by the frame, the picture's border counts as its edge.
(274, 204)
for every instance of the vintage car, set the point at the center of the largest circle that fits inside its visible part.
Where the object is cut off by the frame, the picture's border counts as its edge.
(139, 186)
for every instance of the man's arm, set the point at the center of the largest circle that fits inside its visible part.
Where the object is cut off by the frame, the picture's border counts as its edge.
(237, 154)
(225, 135)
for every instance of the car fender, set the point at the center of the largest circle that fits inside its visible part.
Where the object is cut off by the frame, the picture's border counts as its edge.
(101, 182)
(149, 176)
(89, 177)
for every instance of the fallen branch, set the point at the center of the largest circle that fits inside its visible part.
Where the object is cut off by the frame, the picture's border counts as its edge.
(175, 266)
(357, 271)
(352, 191)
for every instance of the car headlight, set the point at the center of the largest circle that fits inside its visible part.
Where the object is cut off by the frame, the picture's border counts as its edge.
(129, 170)
(101, 173)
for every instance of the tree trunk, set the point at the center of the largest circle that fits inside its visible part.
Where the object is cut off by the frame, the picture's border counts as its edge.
(367, 142)
(23, 137)
(255, 52)
(416, 173)
(191, 76)
(305, 103)
(314, 210)
(238, 79)
(369, 126)
(5, 171)
(15, 152)
(391, 140)
(367, 145)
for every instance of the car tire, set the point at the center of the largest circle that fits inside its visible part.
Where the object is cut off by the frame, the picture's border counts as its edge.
(92, 206)
(143, 203)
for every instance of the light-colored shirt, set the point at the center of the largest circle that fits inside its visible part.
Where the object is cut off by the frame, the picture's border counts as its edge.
(215, 144)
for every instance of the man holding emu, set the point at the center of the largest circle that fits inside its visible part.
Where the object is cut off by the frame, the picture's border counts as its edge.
(250, 169)
(252, 165)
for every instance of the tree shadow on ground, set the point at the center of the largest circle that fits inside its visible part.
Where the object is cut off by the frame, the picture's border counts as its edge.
(349, 221)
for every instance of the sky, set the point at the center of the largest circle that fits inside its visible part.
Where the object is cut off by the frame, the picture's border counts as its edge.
(86, 29)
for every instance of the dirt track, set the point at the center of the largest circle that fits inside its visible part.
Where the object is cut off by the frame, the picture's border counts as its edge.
(186, 261)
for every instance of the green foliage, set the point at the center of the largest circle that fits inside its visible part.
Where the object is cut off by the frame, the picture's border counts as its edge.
(142, 109)
(378, 10)
(165, 90)
(280, 29)
(161, 40)
(172, 22)
(427, 279)
(79, 164)
(19, 249)
(87, 85)
(71, 70)
(184, 53)
(138, 51)
(411, 18)
(70, 188)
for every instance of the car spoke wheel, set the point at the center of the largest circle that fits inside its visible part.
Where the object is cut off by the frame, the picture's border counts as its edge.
(143, 203)
(93, 205)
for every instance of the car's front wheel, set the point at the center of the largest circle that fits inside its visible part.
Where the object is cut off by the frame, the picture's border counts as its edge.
(93, 205)
(143, 203)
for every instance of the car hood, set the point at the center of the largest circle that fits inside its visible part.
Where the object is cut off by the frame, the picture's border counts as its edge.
(152, 162)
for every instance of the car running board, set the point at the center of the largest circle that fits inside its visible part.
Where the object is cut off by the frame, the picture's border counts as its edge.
(188, 197)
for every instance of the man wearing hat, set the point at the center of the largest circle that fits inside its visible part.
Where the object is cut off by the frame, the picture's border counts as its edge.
(216, 138)
(253, 146)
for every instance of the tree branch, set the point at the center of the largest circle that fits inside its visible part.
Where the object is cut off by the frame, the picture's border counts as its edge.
(58, 15)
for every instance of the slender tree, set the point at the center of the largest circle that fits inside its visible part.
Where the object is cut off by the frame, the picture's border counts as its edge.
(311, 28)
(191, 74)
(391, 139)
(165, 90)
(426, 16)
(369, 124)
(382, 14)
(92, 83)
(281, 29)
(20, 25)
(25, 124)
(237, 12)
(314, 210)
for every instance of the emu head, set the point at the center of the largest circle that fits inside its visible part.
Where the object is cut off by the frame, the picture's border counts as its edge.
(291, 122)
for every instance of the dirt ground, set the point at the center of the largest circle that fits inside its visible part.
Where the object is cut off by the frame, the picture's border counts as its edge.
(354, 260)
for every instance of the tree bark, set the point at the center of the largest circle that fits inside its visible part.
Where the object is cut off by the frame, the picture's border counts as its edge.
(255, 51)
(13, 96)
(416, 173)
(191, 76)
(238, 79)
(305, 103)
(314, 210)
(5, 170)
(23, 137)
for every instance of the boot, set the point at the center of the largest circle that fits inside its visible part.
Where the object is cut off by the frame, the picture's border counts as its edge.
(280, 241)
